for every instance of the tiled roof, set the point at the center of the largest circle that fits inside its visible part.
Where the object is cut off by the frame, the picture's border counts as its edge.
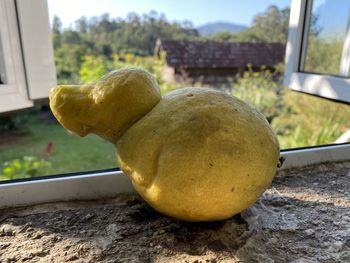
(215, 54)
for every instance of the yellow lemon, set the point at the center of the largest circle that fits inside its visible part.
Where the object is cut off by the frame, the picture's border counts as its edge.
(107, 107)
(200, 155)
(196, 154)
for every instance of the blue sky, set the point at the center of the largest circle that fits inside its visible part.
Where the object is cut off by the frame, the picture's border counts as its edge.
(197, 11)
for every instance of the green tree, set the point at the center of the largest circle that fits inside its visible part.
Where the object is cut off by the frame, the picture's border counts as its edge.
(56, 31)
(81, 25)
(68, 62)
(103, 37)
(269, 26)
(323, 55)
(93, 68)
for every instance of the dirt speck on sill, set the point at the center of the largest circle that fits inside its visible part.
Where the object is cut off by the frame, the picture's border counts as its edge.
(303, 217)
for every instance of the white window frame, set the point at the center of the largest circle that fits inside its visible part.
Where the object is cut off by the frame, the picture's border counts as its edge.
(105, 184)
(27, 53)
(327, 86)
(101, 184)
(13, 94)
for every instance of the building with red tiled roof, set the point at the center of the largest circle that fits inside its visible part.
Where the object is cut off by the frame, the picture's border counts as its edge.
(211, 62)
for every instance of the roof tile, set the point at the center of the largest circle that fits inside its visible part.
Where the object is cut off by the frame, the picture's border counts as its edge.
(209, 54)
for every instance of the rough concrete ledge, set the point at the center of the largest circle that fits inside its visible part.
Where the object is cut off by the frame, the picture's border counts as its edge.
(303, 217)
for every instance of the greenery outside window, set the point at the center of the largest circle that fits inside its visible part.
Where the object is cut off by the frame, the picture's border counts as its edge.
(102, 183)
(317, 55)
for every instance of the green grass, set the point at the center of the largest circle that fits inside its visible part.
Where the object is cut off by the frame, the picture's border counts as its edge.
(70, 152)
(306, 120)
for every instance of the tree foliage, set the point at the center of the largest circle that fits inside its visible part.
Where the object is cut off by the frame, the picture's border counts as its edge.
(323, 55)
(102, 37)
(269, 26)
(90, 48)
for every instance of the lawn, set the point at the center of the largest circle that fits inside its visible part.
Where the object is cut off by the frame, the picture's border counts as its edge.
(69, 153)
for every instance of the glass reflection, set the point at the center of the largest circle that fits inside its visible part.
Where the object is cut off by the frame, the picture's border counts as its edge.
(329, 25)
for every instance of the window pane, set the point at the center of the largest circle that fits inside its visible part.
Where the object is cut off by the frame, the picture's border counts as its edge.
(243, 57)
(329, 24)
(32, 143)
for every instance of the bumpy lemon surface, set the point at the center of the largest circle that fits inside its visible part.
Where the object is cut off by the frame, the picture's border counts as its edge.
(200, 155)
(107, 107)
(196, 154)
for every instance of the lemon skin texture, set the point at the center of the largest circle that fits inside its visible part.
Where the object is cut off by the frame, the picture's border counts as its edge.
(199, 155)
(107, 107)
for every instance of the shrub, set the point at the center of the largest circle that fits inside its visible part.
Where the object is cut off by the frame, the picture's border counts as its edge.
(25, 167)
(94, 67)
(260, 90)
(297, 119)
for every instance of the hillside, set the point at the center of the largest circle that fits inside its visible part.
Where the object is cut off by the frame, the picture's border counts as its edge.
(215, 27)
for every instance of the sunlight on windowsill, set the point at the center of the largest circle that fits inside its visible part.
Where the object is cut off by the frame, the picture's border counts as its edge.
(304, 212)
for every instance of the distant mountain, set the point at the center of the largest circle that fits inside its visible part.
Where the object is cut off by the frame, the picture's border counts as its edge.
(215, 27)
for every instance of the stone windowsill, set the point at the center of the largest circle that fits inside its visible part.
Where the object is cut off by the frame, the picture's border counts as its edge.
(304, 216)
